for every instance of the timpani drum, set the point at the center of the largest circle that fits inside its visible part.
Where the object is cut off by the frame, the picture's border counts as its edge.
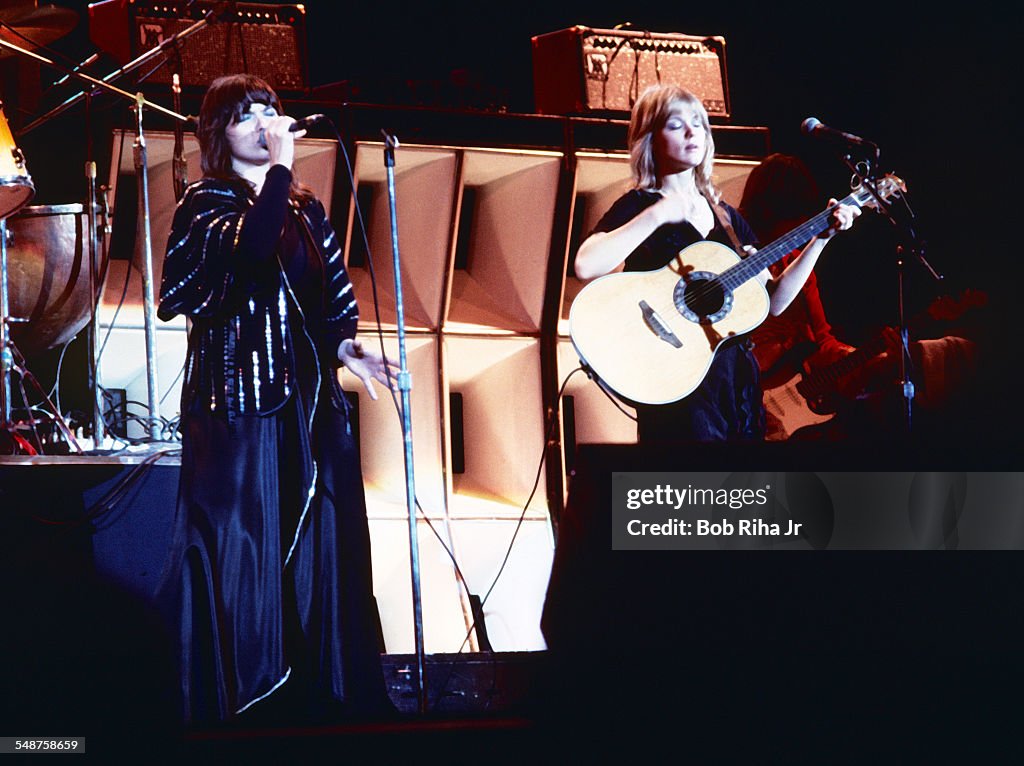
(48, 275)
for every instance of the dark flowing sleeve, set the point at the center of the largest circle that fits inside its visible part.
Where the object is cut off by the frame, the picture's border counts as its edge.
(197, 274)
(342, 314)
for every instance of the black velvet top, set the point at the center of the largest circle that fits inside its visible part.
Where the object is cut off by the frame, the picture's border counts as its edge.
(662, 246)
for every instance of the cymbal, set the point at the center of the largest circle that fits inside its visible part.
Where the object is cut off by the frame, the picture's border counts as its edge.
(29, 27)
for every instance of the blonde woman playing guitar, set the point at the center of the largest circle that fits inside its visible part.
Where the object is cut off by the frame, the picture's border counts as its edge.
(673, 205)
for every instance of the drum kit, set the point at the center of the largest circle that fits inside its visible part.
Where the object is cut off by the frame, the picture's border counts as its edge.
(51, 265)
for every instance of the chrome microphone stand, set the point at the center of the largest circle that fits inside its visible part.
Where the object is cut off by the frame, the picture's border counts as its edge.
(912, 244)
(404, 386)
(145, 237)
(6, 355)
(148, 299)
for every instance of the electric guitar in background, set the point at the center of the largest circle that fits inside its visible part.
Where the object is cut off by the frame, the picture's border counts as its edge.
(650, 336)
(811, 398)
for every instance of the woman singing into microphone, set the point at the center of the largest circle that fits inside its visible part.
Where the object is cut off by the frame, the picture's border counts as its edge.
(270, 570)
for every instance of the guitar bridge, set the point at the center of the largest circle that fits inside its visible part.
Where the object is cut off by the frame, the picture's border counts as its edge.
(658, 325)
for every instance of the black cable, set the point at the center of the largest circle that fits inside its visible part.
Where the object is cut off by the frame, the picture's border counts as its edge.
(366, 245)
(174, 382)
(614, 400)
(540, 466)
(124, 289)
(104, 505)
(55, 390)
(360, 221)
(399, 410)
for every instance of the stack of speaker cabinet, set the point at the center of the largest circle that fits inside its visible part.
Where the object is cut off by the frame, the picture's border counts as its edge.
(490, 209)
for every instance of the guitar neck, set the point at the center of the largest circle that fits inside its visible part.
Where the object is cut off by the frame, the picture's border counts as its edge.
(750, 267)
(825, 378)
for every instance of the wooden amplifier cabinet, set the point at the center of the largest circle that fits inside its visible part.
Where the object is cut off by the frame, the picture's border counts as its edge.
(266, 40)
(582, 70)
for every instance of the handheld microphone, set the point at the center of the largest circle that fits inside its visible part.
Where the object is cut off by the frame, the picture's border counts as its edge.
(812, 126)
(305, 123)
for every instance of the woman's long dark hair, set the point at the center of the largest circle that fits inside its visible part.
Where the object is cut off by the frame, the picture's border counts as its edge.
(780, 193)
(225, 101)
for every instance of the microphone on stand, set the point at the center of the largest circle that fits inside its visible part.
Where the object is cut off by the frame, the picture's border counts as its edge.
(305, 123)
(295, 127)
(76, 68)
(179, 166)
(812, 126)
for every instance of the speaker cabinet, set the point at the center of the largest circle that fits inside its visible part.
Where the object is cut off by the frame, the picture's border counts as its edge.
(502, 435)
(505, 225)
(424, 233)
(266, 40)
(380, 431)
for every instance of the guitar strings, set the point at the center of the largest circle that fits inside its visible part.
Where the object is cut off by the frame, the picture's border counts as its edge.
(746, 268)
(740, 272)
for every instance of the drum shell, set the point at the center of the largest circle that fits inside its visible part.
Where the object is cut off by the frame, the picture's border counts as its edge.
(16, 188)
(48, 275)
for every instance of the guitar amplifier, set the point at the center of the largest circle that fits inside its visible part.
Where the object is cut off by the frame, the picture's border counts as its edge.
(580, 70)
(268, 41)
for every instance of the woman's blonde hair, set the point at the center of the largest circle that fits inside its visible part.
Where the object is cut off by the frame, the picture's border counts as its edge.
(650, 113)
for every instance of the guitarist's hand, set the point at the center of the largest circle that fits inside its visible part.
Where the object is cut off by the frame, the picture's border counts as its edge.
(676, 206)
(843, 217)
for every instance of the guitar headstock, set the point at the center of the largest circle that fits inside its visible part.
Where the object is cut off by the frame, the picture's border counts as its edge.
(887, 187)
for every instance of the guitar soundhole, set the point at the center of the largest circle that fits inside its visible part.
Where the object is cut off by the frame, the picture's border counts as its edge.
(702, 297)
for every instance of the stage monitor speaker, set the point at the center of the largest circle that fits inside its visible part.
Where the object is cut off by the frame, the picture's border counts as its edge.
(582, 70)
(268, 41)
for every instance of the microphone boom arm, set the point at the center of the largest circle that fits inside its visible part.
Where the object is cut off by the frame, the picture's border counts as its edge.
(104, 84)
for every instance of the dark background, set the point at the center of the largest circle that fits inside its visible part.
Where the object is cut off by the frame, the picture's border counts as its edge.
(924, 647)
(932, 88)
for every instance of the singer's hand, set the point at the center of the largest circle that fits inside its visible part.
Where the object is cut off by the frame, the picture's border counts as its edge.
(366, 364)
(280, 141)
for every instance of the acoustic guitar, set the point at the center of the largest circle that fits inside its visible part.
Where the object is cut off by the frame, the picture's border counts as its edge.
(650, 336)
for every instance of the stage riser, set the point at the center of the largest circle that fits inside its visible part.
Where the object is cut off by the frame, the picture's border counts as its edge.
(127, 543)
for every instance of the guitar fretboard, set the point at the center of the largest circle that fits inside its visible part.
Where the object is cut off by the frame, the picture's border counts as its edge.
(750, 267)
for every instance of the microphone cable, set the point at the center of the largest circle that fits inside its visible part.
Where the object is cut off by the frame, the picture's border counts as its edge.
(398, 408)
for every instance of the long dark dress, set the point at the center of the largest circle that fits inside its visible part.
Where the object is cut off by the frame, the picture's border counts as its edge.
(269, 576)
(727, 405)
